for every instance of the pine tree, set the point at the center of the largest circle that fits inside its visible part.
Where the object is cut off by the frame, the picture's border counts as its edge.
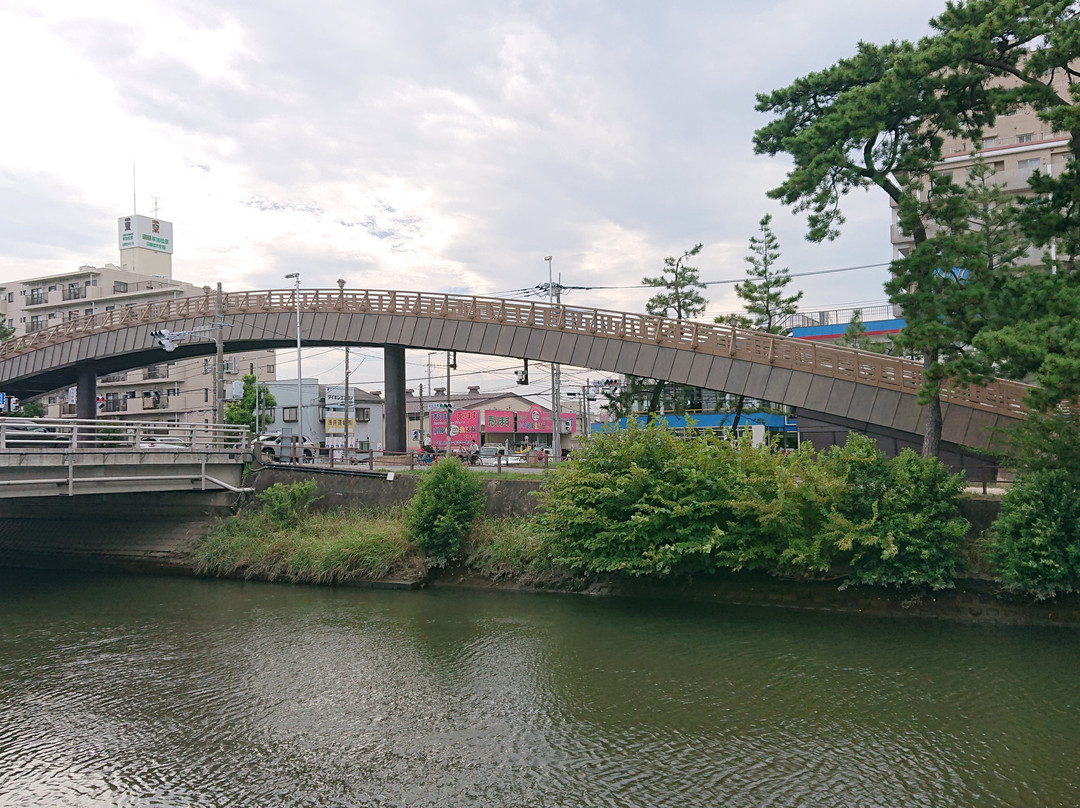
(681, 299)
(764, 287)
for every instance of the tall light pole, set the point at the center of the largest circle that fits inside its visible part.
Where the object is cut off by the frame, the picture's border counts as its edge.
(556, 448)
(299, 375)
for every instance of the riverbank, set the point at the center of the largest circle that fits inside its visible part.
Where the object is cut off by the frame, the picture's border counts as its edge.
(367, 548)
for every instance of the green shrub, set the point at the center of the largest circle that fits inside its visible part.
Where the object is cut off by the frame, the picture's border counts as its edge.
(1035, 541)
(288, 505)
(898, 521)
(640, 501)
(447, 501)
(779, 501)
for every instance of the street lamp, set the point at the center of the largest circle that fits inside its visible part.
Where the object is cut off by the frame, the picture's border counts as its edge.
(556, 448)
(299, 375)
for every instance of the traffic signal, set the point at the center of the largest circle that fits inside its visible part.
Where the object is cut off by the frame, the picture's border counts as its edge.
(166, 339)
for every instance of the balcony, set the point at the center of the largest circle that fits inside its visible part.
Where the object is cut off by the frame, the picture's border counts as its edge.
(114, 378)
(74, 293)
(156, 372)
(38, 297)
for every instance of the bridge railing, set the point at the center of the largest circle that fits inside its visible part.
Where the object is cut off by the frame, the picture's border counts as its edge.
(997, 395)
(23, 434)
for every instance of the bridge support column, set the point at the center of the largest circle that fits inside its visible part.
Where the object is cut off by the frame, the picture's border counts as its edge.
(86, 389)
(394, 382)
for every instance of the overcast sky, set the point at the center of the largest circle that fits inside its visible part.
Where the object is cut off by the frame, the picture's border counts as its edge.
(428, 146)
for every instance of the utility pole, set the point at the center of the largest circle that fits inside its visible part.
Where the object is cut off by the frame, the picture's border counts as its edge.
(219, 361)
(421, 442)
(554, 295)
(347, 408)
(449, 406)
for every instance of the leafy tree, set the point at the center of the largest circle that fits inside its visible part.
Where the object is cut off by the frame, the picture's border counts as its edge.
(681, 299)
(763, 290)
(31, 409)
(243, 410)
(875, 120)
(6, 333)
(448, 500)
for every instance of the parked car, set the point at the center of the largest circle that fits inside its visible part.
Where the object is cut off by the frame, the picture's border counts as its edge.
(163, 442)
(489, 456)
(271, 449)
(16, 435)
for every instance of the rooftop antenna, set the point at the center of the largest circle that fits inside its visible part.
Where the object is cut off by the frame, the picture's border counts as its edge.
(157, 207)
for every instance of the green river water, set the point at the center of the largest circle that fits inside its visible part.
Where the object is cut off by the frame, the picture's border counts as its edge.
(142, 691)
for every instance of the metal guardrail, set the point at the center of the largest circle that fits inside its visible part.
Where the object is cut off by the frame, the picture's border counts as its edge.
(998, 396)
(22, 434)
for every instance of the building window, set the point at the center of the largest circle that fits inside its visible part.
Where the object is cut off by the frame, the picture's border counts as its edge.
(72, 315)
(88, 311)
(288, 414)
(1028, 167)
(206, 395)
(10, 297)
(365, 446)
(119, 287)
(989, 142)
(269, 368)
(37, 297)
(1027, 137)
(363, 414)
(52, 288)
(173, 391)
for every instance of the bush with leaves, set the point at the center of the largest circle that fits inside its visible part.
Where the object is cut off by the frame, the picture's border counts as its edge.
(288, 505)
(899, 521)
(1035, 541)
(638, 501)
(448, 500)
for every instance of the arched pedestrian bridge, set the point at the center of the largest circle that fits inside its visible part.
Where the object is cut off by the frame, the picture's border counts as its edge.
(836, 384)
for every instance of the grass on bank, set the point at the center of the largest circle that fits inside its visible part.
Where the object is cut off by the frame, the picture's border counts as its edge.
(351, 545)
(332, 547)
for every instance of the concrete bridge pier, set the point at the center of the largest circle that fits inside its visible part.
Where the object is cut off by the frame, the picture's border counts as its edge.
(394, 377)
(86, 389)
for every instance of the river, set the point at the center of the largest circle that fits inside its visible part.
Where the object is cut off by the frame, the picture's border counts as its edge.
(143, 691)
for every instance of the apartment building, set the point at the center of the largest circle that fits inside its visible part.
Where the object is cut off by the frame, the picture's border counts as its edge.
(1015, 147)
(173, 391)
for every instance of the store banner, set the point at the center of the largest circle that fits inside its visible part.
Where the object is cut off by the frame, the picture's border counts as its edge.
(498, 421)
(538, 420)
(464, 428)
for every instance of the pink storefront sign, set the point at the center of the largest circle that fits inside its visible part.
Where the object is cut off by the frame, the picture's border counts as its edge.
(538, 420)
(464, 428)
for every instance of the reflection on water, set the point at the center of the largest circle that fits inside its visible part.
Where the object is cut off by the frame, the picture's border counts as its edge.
(162, 692)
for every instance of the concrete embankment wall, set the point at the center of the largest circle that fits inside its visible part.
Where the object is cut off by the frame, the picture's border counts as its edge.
(139, 532)
(338, 489)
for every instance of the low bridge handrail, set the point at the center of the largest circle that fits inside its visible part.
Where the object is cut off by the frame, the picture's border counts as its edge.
(1000, 396)
(21, 434)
